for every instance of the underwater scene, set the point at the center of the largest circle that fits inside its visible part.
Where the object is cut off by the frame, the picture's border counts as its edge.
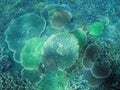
(59, 44)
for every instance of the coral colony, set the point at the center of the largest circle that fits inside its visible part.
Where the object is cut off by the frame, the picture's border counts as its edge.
(49, 46)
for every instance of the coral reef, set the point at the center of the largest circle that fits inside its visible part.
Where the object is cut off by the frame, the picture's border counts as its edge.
(57, 19)
(59, 45)
(97, 67)
(86, 11)
(113, 80)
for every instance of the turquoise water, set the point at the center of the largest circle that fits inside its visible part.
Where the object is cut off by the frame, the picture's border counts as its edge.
(59, 45)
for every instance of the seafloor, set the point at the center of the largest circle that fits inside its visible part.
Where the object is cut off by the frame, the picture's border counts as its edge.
(59, 44)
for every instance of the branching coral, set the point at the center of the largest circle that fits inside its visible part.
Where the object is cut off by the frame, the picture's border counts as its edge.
(86, 11)
(76, 77)
(5, 58)
(7, 81)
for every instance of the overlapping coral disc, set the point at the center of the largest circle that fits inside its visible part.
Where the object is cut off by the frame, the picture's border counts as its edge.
(81, 36)
(21, 29)
(101, 69)
(56, 80)
(59, 18)
(31, 53)
(63, 47)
